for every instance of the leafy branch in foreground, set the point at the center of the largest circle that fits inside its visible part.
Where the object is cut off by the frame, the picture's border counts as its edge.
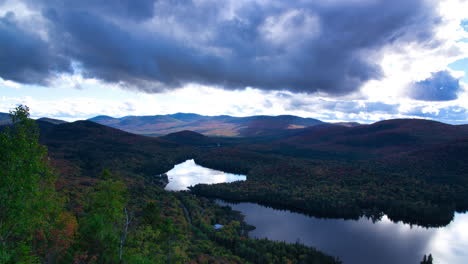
(33, 225)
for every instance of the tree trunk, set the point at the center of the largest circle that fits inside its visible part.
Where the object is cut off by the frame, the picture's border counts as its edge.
(123, 237)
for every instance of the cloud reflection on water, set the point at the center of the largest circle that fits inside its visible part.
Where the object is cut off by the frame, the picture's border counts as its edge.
(189, 173)
(361, 241)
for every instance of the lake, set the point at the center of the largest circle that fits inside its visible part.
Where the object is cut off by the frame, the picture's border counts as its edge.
(354, 242)
(361, 241)
(189, 173)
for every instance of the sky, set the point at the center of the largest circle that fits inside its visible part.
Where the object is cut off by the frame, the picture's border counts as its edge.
(334, 60)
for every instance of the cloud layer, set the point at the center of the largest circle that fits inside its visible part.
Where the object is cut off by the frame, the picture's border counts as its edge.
(441, 86)
(326, 46)
(24, 56)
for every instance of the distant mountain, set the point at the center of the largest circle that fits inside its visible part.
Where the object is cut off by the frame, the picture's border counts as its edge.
(4, 119)
(207, 125)
(191, 138)
(348, 124)
(52, 120)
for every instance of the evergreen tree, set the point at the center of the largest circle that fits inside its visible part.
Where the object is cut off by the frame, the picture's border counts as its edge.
(427, 259)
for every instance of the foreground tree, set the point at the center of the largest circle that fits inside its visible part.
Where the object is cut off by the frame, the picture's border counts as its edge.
(427, 259)
(105, 225)
(31, 212)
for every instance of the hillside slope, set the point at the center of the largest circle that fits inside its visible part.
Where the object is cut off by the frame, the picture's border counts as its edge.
(86, 148)
(383, 138)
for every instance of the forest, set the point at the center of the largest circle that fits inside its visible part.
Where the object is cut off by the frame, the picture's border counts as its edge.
(50, 215)
(335, 189)
(85, 193)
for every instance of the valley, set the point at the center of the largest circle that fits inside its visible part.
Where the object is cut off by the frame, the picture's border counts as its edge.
(399, 172)
(233, 132)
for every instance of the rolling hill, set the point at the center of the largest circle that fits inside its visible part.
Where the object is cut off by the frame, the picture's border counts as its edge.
(389, 137)
(190, 138)
(52, 120)
(85, 148)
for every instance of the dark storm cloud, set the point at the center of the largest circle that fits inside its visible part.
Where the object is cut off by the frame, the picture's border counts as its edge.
(24, 56)
(327, 46)
(441, 86)
(125, 9)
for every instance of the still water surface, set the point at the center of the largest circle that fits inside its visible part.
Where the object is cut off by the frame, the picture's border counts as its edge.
(361, 241)
(189, 173)
(354, 242)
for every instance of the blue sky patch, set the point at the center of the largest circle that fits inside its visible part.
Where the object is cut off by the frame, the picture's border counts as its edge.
(461, 65)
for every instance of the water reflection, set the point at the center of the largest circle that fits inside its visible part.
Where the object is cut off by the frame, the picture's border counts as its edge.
(450, 244)
(189, 173)
(355, 242)
(361, 241)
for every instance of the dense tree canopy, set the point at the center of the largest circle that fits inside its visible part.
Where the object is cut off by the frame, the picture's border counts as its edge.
(115, 217)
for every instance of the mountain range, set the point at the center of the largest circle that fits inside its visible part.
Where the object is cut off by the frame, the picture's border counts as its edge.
(392, 142)
(208, 125)
(295, 136)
